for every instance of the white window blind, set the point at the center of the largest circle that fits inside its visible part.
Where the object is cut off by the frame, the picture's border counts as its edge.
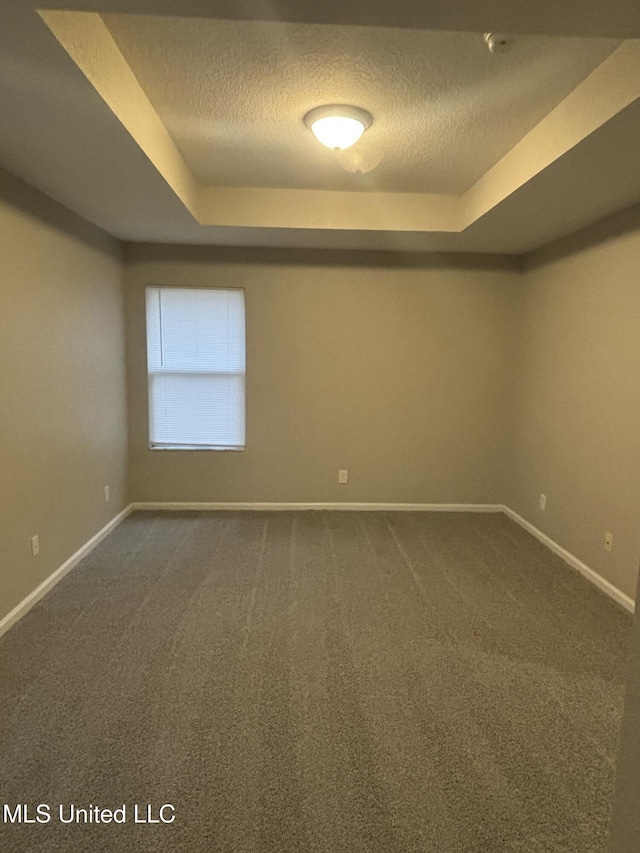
(196, 367)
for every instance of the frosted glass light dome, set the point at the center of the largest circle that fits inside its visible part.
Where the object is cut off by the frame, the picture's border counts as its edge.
(338, 126)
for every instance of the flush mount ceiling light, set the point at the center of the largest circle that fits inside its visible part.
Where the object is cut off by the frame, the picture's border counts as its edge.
(338, 126)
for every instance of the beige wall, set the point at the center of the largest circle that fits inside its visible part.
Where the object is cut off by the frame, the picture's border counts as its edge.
(63, 414)
(396, 373)
(438, 379)
(576, 413)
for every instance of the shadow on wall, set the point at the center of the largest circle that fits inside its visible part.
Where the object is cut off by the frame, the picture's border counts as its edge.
(617, 225)
(261, 256)
(22, 196)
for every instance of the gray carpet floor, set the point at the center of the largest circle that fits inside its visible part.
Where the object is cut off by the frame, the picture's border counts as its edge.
(317, 682)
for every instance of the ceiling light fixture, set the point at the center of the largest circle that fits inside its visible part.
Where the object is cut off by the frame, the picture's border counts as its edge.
(338, 126)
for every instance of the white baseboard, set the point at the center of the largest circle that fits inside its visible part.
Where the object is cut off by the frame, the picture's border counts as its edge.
(358, 507)
(596, 579)
(27, 603)
(589, 573)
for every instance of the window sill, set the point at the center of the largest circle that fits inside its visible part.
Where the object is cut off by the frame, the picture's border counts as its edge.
(190, 447)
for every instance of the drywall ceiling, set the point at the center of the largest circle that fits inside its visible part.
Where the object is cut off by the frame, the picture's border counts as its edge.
(185, 125)
(232, 95)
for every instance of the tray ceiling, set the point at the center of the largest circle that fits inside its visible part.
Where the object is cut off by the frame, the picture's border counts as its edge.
(232, 95)
(172, 121)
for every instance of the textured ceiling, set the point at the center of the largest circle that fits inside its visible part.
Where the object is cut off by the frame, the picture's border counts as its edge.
(232, 95)
(77, 124)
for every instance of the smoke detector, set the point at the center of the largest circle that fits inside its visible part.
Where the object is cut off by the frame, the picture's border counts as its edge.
(498, 42)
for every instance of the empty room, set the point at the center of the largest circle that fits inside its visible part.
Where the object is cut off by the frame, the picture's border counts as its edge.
(320, 426)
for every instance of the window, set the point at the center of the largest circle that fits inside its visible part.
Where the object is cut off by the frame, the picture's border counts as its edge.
(196, 367)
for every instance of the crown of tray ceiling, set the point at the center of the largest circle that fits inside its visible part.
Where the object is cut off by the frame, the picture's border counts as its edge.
(186, 125)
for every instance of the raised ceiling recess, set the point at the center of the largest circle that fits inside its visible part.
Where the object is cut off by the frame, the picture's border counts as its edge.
(187, 125)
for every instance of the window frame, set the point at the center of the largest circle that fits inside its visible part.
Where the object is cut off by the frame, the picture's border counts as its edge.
(194, 372)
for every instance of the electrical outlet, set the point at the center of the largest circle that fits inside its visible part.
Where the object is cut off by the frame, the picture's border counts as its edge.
(543, 502)
(35, 545)
(343, 476)
(608, 541)
(107, 494)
